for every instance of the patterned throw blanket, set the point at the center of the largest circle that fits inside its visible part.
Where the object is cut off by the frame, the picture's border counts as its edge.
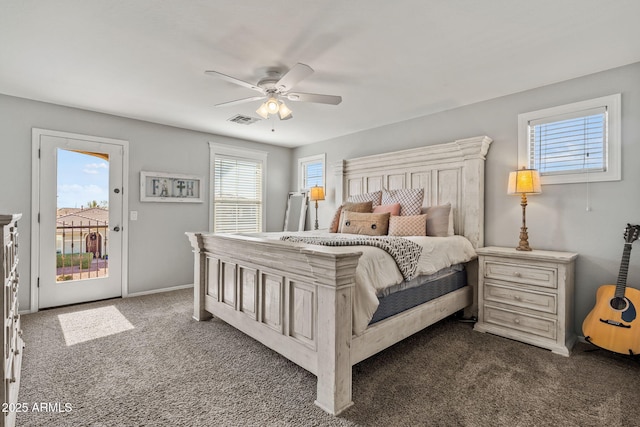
(405, 252)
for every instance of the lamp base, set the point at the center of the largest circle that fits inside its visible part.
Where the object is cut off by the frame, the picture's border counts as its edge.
(523, 245)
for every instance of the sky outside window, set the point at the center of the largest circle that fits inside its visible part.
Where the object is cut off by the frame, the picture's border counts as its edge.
(82, 178)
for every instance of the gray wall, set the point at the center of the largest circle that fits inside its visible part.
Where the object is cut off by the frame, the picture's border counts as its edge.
(557, 219)
(159, 253)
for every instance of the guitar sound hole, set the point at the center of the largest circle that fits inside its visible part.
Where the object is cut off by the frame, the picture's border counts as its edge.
(618, 303)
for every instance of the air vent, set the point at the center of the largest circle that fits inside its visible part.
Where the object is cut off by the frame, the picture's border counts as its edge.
(243, 120)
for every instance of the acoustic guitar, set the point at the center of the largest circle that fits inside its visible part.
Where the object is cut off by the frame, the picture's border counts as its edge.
(612, 324)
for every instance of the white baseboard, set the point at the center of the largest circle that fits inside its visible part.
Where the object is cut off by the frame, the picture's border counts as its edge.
(155, 291)
(136, 294)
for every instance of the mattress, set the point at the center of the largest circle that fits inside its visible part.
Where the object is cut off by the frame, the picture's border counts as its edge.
(377, 270)
(422, 289)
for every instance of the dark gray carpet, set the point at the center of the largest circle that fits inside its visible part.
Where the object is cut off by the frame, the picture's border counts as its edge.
(170, 370)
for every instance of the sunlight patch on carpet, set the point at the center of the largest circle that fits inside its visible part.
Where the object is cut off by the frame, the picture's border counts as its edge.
(88, 325)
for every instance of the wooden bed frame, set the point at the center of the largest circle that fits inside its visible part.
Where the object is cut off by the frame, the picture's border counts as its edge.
(296, 299)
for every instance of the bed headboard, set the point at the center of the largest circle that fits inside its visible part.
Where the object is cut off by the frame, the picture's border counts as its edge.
(452, 172)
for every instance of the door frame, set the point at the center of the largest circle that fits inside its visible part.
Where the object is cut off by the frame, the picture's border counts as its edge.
(36, 133)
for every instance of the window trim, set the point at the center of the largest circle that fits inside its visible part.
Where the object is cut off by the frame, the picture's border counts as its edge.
(241, 153)
(613, 145)
(312, 159)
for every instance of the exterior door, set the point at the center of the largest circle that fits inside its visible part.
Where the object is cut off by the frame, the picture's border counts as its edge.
(81, 229)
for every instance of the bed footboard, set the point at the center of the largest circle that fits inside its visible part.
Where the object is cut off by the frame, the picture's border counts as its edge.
(293, 299)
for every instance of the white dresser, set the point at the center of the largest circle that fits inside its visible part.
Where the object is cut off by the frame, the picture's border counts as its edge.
(13, 344)
(527, 296)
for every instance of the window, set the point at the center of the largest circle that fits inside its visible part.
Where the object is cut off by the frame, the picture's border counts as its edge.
(578, 142)
(311, 171)
(237, 189)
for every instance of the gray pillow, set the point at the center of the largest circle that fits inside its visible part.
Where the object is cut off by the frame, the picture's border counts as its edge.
(438, 220)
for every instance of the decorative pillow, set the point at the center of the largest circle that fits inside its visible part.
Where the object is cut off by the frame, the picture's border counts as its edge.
(438, 219)
(348, 206)
(367, 197)
(410, 199)
(393, 209)
(408, 225)
(370, 224)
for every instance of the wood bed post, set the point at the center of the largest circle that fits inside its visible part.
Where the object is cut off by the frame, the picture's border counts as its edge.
(338, 170)
(199, 277)
(335, 275)
(473, 152)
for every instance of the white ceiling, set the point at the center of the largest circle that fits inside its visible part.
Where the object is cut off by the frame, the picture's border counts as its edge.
(389, 60)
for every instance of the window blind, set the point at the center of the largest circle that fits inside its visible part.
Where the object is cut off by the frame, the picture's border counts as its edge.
(572, 143)
(237, 195)
(313, 174)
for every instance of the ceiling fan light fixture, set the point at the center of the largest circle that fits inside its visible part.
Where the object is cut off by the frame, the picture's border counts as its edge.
(263, 111)
(273, 105)
(284, 112)
(275, 87)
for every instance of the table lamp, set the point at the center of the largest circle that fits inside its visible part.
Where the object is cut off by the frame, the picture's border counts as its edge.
(316, 193)
(524, 181)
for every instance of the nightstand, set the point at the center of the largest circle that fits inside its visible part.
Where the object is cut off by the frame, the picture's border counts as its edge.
(527, 296)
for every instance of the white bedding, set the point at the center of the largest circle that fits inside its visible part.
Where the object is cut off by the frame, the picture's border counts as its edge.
(377, 270)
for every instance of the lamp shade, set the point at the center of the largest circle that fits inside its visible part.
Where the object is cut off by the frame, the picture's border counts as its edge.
(263, 111)
(272, 105)
(284, 112)
(524, 181)
(316, 193)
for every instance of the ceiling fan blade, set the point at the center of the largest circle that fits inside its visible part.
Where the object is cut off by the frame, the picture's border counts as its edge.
(234, 80)
(239, 101)
(314, 97)
(293, 76)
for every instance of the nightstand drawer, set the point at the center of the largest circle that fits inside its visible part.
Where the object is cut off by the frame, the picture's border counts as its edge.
(528, 274)
(539, 301)
(514, 320)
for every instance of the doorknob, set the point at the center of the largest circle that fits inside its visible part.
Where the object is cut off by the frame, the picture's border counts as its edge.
(116, 190)
(116, 228)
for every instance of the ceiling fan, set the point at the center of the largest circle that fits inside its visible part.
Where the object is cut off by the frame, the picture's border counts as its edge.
(276, 86)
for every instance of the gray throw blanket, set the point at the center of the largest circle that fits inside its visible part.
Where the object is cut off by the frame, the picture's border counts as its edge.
(405, 252)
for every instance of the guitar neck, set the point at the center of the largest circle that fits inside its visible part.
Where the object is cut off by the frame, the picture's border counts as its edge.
(624, 270)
